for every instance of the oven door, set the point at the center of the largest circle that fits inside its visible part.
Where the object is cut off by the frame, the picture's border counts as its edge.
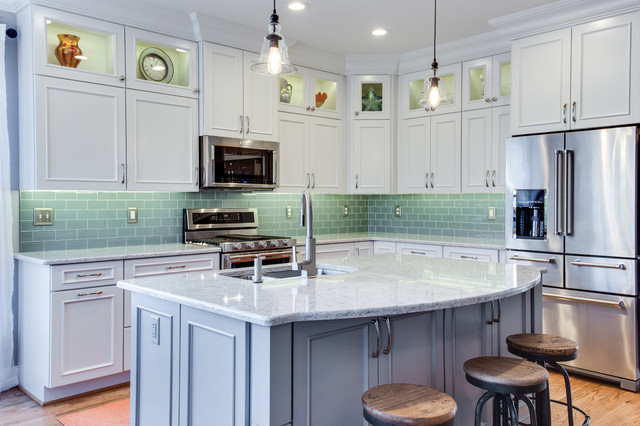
(244, 260)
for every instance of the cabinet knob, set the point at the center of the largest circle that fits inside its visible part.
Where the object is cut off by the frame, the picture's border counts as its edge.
(313, 108)
(357, 113)
(494, 99)
(487, 100)
(433, 108)
(196, 90)
(308, 108)
(122, 78)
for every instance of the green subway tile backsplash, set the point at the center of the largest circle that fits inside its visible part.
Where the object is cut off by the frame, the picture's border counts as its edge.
(84, 219)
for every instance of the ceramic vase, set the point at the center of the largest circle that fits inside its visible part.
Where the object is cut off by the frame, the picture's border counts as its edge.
(68, 50)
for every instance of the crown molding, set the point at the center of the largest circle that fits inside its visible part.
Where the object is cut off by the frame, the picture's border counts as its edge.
(371, 64)
(215, 30)
(560, 14)
(317, 59)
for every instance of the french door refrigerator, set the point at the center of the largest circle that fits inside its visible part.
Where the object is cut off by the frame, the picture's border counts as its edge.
(571, 206)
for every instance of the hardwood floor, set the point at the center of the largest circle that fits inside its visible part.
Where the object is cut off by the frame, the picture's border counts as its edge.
(606, 403)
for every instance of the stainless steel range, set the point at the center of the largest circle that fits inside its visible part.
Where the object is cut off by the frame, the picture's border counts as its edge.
(235, 231)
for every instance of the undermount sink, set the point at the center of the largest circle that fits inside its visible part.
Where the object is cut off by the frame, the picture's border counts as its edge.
(277, 273)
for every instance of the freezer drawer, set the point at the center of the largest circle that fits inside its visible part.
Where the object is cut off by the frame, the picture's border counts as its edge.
(553, 262)
(607, 275)
(604, 326)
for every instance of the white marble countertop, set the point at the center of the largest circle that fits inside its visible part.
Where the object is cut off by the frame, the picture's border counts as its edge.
(58, 257)
(405, 238)
(384, 284)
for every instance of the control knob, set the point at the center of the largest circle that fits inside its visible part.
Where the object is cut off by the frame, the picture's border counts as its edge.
(286, 243)
(262, 244)
(237, 246)
(275, 244)
(251, 245)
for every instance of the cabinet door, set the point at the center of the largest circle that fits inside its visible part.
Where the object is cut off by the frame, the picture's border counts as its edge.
(80, 135)
(380, 247)
(372, 156)
(476, 150)
(222, 92)
(326, 96)
(500, 131)
(86, 334)
(513, 317)
(372, 97)
(260, 95)
(364, 248)
(477, 89)
(162, 142)
(326, 155)
(332, 251)
(414, 150)
(294, 152)
(501, 80)
(445, 153)
(427, 250)
(605, 66)
(332, 367)
(470, 253)
(541, 82)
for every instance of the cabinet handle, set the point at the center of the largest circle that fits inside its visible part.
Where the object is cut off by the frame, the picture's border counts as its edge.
(313, 180)
(573, 111)
(492, 314)
(432, 175)
(464, 256)
(486, 179)
(499, 311)
(96, 274)
(422, 253)
(426, 180)
(89, 294)
(494, 99)
(377, 352)
(197, 172)
(248, 131)
(124, 172)
(493, 178)
(598, 265)
(356, 181)
(308, 180)
(241, 125)
(177, 267)
(531, 259)
(619, 304)
(122, 78)
(564, 113)
(388, 348)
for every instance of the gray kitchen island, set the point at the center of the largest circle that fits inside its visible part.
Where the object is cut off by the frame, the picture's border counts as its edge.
(214, 348)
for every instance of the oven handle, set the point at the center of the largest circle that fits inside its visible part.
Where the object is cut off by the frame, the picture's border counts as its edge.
(269, 255)
(619, 304)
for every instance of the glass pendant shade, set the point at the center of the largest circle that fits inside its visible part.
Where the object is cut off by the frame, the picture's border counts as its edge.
(274, 58)
(433, 93)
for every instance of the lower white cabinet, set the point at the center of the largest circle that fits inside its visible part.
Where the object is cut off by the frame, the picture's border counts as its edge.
(331, 251)
(380, 247)
(363, 248)
(470, 253)
(428, 250)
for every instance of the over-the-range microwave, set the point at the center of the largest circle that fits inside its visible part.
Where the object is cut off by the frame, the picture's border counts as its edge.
(240, 164)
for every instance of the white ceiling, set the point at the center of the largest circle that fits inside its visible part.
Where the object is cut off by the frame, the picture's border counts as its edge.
(344, 26)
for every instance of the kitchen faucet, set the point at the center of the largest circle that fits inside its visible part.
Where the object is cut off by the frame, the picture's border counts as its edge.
(308, 265)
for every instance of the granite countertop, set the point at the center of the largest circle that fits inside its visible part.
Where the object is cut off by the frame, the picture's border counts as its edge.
(385, 284)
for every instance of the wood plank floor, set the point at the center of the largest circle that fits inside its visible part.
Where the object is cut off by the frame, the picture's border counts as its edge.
(606, 403)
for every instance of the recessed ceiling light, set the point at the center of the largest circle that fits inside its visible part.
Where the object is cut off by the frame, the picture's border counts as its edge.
(380, 32)
(298, 5)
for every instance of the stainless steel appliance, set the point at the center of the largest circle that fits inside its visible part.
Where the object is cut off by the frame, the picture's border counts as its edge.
(241, 164)
(571, 206)
(235, 231)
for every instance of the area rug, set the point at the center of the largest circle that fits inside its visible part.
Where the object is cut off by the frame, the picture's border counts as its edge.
(112, 414)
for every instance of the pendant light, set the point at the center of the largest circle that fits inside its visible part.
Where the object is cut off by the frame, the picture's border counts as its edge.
(432, 90)
(274, 58)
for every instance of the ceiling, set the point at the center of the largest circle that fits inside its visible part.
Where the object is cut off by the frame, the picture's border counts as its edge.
(344, 26)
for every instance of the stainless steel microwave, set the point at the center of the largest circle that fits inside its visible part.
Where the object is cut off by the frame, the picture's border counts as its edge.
(240, 164)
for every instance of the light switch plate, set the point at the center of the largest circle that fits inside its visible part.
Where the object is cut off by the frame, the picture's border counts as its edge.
(492, 213)
(289, 212)
(398, 210)
(155, 330)
(43, 216)
(345, 210)
(132, 215)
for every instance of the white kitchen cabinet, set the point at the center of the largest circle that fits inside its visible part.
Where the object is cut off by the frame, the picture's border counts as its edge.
(428, 250)
(484, 134)
(303, 92)
(328, 251)
(312, 153)
(236, 102)
(371, 97)
(429, 154)
(380, 247)
(411, 89)
(371, 156)
(580, 77)
(162, 142)
(470, 253)
(487, 82)
(363, 248)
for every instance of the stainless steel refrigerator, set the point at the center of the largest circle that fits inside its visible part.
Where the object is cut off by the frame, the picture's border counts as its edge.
(571, 206)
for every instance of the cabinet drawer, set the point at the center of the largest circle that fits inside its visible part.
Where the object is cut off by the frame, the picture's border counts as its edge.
(83, 275)
(428, 250)
(467, 253)
(171, 265)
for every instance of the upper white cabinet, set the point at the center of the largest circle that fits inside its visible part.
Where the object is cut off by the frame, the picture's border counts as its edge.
(411, 88)
(487, 82)
(371, 97)
(580, 77)
(429, 154)
(236, 102)
(312, 92)
(372, 156)
(484, 134)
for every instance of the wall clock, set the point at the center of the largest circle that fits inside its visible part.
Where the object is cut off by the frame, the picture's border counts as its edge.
(155, 65)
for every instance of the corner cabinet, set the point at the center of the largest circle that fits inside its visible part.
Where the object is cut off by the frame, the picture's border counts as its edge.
(312, 92)
(236, 102)
(560, 83)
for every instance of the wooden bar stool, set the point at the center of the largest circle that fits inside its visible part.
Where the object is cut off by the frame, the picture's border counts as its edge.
(548, 349)
(407, 404)
(502, 377)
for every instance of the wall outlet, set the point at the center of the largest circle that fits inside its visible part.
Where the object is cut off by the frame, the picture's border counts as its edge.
(345, 210)
(289, 212)
(492, 213)
(398, 210)
(132, 215)
(155, 330)
(43, 216)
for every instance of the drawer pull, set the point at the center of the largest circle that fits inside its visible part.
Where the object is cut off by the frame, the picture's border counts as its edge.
(89, 294)
(598, 265)
(618, 304)
(96, 274)
(532, 259)
(177, 267)
(468, 257)
(418, 252)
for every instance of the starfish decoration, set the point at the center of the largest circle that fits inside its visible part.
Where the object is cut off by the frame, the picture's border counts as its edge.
(371, 101)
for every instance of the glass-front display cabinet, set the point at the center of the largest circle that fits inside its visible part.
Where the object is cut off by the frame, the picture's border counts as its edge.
(371, 97)
(77, 47)
(412, 87)
(487, 82)
(314, 92)
(160, 63)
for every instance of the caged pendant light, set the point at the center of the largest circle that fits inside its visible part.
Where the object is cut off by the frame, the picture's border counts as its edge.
(432, 91)
(274, 58)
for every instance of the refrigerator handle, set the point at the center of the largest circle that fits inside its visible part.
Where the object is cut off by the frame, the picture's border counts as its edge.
(557, 184)
(568, 191)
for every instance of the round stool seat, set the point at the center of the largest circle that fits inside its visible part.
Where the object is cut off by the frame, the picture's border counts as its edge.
(408, 404)
(543, 345)
(506, 375)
